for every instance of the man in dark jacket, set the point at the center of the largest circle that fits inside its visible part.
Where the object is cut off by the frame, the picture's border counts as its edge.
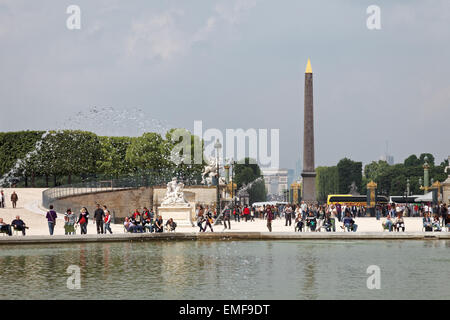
(14, 199)
(19, 225)
(51, 219)
(99, 216)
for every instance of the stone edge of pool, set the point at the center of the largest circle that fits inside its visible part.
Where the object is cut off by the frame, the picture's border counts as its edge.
(179, 236)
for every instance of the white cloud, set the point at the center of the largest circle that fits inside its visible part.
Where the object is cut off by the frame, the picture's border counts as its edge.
(164, 36)
(157, 37)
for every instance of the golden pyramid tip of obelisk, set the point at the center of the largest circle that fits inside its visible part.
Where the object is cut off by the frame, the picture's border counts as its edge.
(308, 67)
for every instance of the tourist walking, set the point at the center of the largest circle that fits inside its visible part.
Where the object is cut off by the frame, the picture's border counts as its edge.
(2, 199)
(83, 220)
(246, 213)
(269, 217)
(69, 222)
(288, 215)
(99, 216)
(237, 217)
(209, 219)
(444, 213)
(107, 220)
(14, 199)
(200, 219)
(226, 217)
(51, 219)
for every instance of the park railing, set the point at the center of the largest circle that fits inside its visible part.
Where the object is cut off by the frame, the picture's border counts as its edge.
(101, 185)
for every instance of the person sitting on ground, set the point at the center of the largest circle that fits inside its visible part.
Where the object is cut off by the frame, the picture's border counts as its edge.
(311, 221)
(327, 222)
(399, 223)
(131, 227)
(349, 223)
(145, 216)
(148, 224)
(136, 216)
(299, 223)
(388, 223)
(5, 228)
(427, 222)
(436, 224)
(171, 225)
(19, 225)
(159, 226)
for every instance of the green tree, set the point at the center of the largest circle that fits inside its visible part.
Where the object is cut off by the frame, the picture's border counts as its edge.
(348, 172)
(149, 152)
(412, 161)
(430, 158)
(327, 182)
(112, 160)
(248, 172)
(186, 153)
(374, 169)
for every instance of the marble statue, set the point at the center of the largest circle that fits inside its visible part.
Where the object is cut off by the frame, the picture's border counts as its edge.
(174, 194)
(447, 168)
(210, 171)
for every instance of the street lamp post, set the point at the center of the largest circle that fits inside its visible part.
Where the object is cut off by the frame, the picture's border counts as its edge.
(218, 146)
(233, 193)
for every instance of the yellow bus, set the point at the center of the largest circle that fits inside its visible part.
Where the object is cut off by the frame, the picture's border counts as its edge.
(351, 200)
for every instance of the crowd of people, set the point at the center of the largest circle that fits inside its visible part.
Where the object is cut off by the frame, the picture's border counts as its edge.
(314, 218)
(303, 217)
(147, 220)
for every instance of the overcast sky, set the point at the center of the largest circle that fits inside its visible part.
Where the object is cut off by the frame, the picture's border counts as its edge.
(235, 64)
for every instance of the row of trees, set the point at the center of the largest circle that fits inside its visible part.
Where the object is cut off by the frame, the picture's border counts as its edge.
(391, 179)
(67, 156)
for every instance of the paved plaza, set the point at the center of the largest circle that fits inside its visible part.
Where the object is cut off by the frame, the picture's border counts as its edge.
(34, 216)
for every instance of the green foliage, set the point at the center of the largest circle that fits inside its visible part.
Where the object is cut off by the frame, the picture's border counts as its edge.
(15, 146)
(327, 182)
(247, 171)
(412, 161)
(373, 170)
(186, 152)
(113, 151)
(149, 152)
(430, 158)
(349, 171)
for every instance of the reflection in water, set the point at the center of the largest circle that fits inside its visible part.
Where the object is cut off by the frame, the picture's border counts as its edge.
(227, 270)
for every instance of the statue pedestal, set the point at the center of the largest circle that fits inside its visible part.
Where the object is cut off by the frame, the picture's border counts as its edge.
(180, 214)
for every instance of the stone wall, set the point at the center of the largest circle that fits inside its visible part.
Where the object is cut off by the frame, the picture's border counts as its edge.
(122, 203)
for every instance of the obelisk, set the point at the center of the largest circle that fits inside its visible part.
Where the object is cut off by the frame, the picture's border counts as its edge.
(309, 172)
